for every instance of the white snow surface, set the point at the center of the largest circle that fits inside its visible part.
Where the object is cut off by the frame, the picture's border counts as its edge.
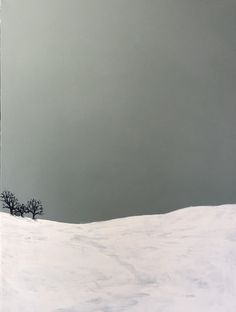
(183, 261)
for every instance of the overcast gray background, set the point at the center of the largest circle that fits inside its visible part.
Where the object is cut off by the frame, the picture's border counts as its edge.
(114, 108)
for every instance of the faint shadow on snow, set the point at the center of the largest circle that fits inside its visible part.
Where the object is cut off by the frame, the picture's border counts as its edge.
(181, 261)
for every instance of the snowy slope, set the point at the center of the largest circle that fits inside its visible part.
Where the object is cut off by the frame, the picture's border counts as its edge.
(177, 262)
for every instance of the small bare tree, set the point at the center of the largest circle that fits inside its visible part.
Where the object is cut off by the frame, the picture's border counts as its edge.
(9, 201)
(34, 207)
(20, 210)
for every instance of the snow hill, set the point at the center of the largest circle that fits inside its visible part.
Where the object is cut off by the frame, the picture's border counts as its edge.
(183, 261)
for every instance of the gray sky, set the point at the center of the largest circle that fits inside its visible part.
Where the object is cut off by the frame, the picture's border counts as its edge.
(114, 107)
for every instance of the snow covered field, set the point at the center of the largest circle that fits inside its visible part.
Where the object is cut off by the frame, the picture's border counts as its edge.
(184, 261)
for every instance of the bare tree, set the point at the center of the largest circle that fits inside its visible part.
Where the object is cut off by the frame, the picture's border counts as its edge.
(20, 210)
(35, 207)
(9, 201)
